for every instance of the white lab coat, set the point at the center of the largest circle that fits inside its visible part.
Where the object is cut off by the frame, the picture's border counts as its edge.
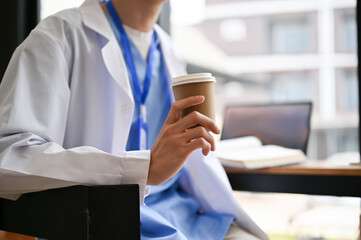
(66, 108)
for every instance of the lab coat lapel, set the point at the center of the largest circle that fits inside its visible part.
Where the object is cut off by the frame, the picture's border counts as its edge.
(174, 66)
(205, 179)
(94, 18)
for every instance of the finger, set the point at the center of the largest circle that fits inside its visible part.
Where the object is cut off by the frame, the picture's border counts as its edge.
(199, 132)
(196, 118)
(199, 143)
(178, 106)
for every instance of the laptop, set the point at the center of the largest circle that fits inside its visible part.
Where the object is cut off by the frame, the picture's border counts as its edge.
(283, 124)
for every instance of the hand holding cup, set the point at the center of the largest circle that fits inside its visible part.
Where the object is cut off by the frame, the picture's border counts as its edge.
(186, 129)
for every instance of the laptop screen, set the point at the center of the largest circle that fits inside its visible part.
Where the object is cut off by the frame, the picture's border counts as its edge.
(284, 124)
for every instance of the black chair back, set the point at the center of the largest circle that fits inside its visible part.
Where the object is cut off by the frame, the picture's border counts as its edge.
(75, 213)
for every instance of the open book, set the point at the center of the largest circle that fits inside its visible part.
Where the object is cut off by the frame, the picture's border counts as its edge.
(249, 153)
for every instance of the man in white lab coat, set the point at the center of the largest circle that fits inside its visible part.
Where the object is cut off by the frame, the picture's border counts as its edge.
(67, 110)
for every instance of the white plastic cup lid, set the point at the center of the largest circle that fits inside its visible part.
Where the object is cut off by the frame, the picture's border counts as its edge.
(193, 78)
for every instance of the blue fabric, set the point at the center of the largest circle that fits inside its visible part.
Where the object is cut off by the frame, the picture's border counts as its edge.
(169, 212)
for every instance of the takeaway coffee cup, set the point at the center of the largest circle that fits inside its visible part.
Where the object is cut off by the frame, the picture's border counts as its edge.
(195, 85)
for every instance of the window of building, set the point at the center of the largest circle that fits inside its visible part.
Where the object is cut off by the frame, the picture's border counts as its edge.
(290, 35)
(345, 30)
(347, 90)
(292, 87)
(349, 39)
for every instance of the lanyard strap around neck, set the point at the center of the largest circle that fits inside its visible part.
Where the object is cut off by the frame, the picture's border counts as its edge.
(140, 97)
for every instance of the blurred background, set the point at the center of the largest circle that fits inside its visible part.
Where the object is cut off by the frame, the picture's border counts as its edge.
(264, 51)
(278, 50)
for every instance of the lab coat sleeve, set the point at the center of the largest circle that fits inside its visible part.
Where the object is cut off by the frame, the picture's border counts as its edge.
(34, 98)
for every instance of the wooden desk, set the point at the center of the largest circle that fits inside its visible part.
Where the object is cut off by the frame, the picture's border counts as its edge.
(310, 177)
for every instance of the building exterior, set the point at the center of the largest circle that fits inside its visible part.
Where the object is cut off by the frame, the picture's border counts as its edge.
(283, 51)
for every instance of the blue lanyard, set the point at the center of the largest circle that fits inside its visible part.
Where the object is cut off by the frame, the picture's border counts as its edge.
(140, 97)
(142, 127)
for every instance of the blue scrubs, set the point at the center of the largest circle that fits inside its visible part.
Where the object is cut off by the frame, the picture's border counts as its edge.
(169, 213)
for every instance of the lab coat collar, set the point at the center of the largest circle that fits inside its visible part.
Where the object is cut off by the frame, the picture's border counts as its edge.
(95, 19)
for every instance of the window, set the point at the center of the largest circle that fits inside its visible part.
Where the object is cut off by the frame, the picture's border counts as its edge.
(345, 30)
(292, 87)
(290, 35)
(349, 32)
(347, 90)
